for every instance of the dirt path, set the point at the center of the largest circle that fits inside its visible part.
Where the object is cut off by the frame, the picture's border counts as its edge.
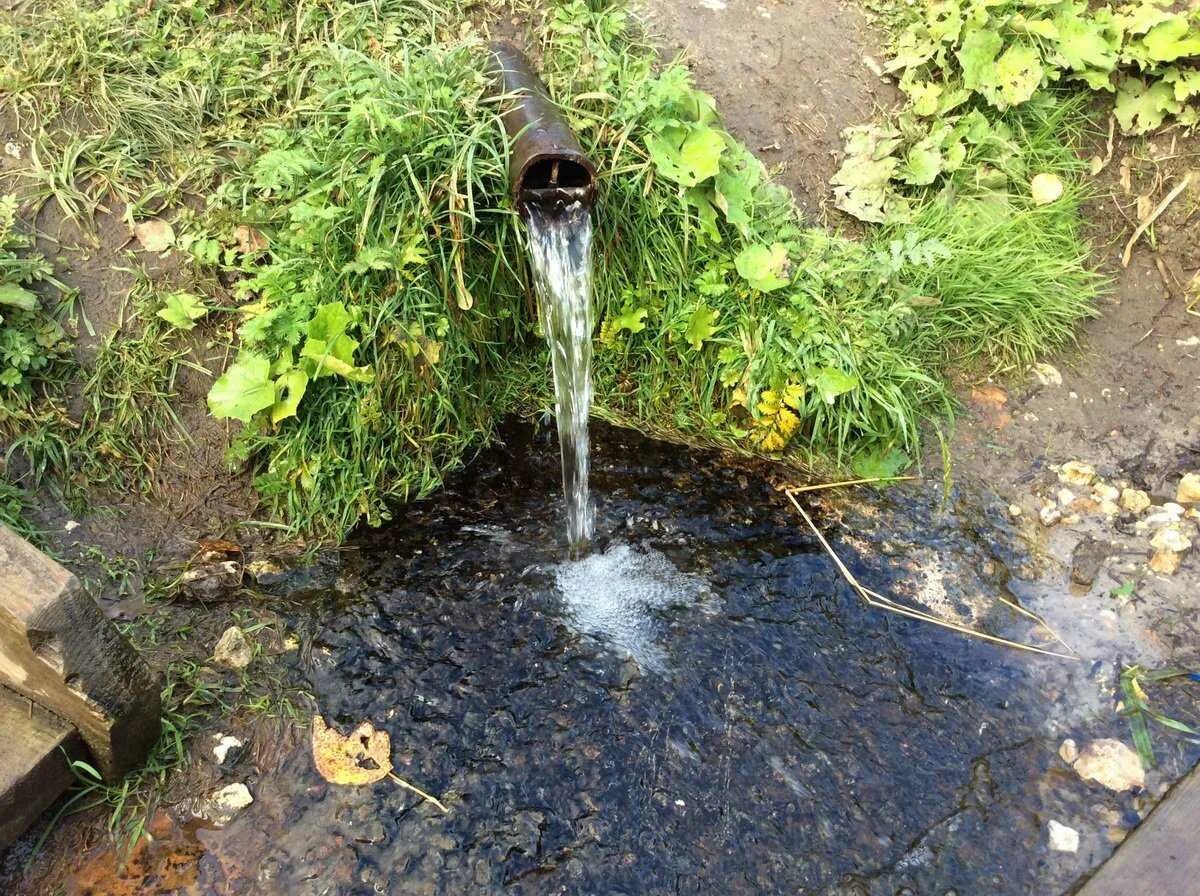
(788, 77)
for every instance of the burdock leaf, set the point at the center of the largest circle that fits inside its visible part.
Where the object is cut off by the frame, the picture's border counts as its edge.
(182, 310)
(17, 297)
(1018, 74)
(701, 326)
(289, 389)
(1141, 108)
(1171, 40)
(977, 56)
(243, 390)
(764, 267)
(832, 382)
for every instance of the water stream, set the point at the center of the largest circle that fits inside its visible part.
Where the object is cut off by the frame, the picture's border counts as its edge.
(560, 248)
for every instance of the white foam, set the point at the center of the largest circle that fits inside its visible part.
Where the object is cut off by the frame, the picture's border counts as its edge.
(614, 596)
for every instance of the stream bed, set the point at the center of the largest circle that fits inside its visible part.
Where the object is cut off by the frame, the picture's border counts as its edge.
(700, 707)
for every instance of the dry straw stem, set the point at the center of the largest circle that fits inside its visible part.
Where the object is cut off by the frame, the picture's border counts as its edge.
(1152, 217)
(822, 486)
(419, 792)
(877, 600)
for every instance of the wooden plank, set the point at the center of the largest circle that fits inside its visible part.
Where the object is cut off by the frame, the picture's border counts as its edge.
(34, 768)
(1162, 855)
(58, 649)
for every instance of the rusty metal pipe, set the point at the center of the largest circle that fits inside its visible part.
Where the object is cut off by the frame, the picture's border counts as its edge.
(547, 167)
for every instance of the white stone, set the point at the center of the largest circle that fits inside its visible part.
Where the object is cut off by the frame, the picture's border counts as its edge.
(1014, 510)
(1063, 838)
(1068, 751)
(1047, 374)
(1076, 472)
(1188, 491)
(225, 743)
(1049, 515)
(233, 650)
(224, 805)
(1065, 497)
(1134, 500)
(1171, 538)
(1105, 492)
(1111, 763)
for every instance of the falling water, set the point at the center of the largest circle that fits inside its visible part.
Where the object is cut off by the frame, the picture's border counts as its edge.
(560, 241)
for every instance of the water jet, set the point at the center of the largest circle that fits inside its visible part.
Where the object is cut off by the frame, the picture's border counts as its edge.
(553, 185)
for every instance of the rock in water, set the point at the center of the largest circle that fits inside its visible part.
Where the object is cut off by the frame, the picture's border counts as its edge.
(1068, 751)
(1134, 500)
(224, 805)
(1076, 472)
(1088, 557)
(1111, 763)
(1063, 838)
(1164, 563)
(233, 650)
(1188, 491)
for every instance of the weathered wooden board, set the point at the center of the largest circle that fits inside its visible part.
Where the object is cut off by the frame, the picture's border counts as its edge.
(1162, 855)
(34, 768)
(58, 649)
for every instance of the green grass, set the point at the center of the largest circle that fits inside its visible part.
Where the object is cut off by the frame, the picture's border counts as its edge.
(389, 324)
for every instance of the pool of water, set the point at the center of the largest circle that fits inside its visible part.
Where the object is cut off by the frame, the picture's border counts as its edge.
(701, 707)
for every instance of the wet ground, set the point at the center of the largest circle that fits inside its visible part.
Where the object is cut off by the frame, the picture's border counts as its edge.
(735, 721)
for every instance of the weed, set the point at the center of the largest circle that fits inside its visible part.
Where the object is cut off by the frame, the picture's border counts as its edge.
(383, 321)
(1138, 710)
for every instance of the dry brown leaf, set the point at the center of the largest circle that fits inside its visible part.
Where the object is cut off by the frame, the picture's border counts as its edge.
(364, 756)
(250, 242)
(154, 235)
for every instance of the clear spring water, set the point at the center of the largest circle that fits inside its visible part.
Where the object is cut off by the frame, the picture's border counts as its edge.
(560, 245)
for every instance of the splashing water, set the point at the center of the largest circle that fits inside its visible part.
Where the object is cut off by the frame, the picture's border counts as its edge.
(560, 243)
(615, 596)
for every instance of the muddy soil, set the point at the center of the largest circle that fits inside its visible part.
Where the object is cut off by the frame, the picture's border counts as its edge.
(788, 76)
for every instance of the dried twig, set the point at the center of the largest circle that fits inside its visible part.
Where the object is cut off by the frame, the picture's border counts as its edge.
(1152, 217)
(419, 792)
(821, 486)
(877, 600)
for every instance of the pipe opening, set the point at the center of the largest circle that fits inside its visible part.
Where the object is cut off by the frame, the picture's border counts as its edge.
(548, 169)
(554, 183)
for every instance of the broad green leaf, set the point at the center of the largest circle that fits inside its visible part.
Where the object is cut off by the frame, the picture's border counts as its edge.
(18, 297)
(1018, 74)
(243, 390)
(922, 165)
(329, 322)
(735, 189)
(1184, 81)
(1038, 27)
(1083, 44)
(1171, 40)
(862, 186)
(1141, 108)
(765, 268)
(977, 56)
(832, 382)
(923, 95)
(335, 357)
(630, 320)
(289, 389)
(688, 155)
(701, 326)
(182, 310)
(701, 153)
